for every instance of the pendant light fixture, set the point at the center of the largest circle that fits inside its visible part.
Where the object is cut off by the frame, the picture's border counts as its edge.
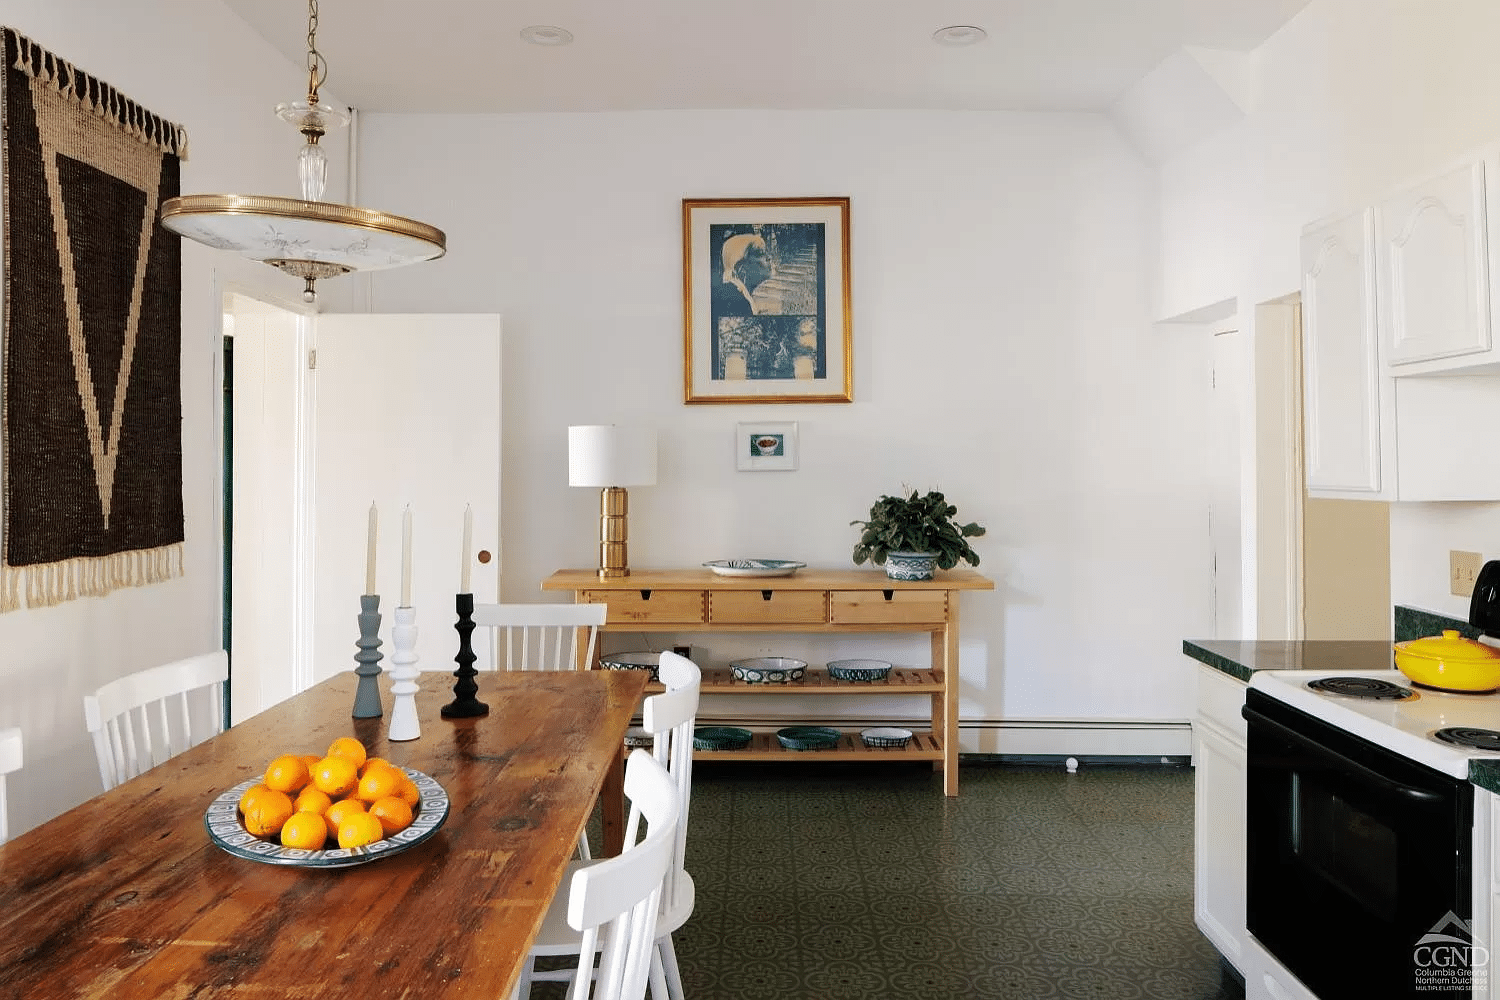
(307, 238)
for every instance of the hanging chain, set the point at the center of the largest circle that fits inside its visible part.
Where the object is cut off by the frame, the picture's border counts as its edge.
(317, 66)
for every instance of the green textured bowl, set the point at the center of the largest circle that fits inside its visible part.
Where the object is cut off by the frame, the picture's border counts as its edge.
(807, 737)
(720, 738)
(859, 670)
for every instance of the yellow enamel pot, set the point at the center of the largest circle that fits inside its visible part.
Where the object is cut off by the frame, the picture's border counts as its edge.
(1449, 662)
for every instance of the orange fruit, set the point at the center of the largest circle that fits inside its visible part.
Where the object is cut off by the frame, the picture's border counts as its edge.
(309, 759)
(266, 813)
(348, 746)
(374, 762)
(359, 829)
(407, 792)
(393, 813)
(305, 830)
(340, 811)
(378, 783)
(253, 792)
(287, 774)
(310, 800)
(335, 776)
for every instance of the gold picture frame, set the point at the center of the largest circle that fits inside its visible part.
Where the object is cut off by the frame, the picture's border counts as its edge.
(765, 301)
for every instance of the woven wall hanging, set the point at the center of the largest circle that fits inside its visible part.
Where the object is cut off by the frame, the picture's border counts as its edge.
(91, 380)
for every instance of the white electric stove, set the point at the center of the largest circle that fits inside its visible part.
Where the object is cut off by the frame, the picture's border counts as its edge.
(1405, 725)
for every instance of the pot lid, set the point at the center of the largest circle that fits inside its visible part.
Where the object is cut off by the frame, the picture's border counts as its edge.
(1450, 646)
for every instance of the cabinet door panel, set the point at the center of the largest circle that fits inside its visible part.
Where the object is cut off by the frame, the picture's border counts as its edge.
(1219, 850)
(1344, 384)
(1432, 255)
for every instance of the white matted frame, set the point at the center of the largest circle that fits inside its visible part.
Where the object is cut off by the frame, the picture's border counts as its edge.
(765, 447)
(765, 300)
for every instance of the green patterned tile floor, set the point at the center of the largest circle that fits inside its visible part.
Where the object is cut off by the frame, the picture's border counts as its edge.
(830, 882)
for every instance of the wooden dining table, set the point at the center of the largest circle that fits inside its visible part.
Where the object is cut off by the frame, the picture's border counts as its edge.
(126, 896)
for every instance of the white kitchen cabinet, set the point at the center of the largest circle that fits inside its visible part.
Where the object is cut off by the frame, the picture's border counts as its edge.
(1427, 434)
(1435, 242)
(1219, 760)
(1348, 412)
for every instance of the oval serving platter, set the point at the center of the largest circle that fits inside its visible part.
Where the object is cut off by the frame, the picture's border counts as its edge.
(222, 820)
(754, 567)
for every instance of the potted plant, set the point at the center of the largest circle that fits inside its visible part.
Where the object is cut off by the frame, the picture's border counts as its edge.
(910, 534)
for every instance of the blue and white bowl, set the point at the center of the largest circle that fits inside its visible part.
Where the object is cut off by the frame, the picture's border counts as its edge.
(768, 670)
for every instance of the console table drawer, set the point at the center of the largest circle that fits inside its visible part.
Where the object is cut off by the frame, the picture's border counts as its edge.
(771, 607)
(648, 606)
(888, 606)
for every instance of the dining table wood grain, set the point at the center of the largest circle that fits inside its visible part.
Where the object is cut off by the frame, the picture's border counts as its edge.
(125, 895)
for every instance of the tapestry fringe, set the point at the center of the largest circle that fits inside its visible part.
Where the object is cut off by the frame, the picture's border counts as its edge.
(48, 584)
(96, 95)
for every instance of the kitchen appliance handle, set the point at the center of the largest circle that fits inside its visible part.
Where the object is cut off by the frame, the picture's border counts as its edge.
(1417, 795)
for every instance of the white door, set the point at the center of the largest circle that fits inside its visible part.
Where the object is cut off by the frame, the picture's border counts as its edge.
(407, 412)
(1224, 503)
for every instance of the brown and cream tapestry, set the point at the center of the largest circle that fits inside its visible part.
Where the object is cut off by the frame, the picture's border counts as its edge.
(91, 380)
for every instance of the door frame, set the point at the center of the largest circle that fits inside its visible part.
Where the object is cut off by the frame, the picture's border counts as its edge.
(224, 290)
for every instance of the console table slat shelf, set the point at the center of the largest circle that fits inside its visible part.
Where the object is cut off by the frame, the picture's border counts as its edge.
(810, 601)
(764, 746)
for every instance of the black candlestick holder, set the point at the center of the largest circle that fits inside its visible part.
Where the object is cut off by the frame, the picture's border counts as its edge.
(464, 705)
(367, 693)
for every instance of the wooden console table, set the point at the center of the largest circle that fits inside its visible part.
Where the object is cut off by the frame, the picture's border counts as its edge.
(695, 600)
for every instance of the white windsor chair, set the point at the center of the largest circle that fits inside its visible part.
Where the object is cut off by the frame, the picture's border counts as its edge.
(669, 717)
(142, 719)
(10, 762)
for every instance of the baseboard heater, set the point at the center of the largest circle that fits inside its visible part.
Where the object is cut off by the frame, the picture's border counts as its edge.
(1023, 739)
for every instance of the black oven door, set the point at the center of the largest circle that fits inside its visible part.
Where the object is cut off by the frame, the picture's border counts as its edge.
(1357, 860)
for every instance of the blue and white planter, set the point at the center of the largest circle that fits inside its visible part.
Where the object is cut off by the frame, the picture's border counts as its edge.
(910, 565)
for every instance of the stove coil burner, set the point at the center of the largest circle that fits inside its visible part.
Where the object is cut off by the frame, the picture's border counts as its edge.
(1467, 736)
(1368, 688)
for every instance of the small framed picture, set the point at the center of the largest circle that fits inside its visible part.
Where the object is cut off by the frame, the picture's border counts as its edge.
(765, 447)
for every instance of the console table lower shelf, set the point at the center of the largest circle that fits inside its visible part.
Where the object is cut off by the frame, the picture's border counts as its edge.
(764, 746)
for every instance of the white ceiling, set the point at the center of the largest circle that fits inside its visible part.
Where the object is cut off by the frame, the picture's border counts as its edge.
(466, 56)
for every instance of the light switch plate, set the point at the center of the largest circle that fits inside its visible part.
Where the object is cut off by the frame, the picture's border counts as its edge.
(1463, 567)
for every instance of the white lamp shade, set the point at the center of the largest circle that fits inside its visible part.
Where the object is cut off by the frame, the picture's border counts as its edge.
(603, 455)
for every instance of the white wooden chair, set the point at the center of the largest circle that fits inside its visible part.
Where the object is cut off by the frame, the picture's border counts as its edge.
(669, 717)
(10, 762)
(612, 905)
(144, 718)
(540, 636)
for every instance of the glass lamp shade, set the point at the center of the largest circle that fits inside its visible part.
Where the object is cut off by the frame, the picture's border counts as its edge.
(326, 238)
(602, 455)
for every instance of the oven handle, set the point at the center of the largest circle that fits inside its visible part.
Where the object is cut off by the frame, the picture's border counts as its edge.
(1375, 778)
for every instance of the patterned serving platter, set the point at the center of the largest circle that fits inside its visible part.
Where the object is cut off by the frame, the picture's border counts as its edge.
(222, 820)
(754, 567)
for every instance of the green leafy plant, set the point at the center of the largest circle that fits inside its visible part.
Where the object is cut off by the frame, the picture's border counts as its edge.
(915, 523)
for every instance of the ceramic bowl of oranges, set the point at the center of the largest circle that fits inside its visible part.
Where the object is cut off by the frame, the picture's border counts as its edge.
(327, 810)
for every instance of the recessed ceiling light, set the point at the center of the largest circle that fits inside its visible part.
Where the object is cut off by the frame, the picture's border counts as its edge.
(959, 34)
(546, 34)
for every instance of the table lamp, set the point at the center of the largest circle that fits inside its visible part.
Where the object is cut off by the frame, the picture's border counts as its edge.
(611, 458)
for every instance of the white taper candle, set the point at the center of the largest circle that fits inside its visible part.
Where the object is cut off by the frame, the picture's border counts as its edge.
(406, 557)
(464, 559)
(370, 553)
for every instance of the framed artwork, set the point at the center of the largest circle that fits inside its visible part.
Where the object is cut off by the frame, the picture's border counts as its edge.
(765, 447)
(765, 300)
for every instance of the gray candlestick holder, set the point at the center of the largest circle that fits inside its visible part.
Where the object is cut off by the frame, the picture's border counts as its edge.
(367, 694)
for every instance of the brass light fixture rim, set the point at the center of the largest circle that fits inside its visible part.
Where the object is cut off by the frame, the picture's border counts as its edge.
(187, 206)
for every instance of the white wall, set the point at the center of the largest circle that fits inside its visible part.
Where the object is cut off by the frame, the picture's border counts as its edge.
(1353, 97)
(1003, 353)
(193, 64)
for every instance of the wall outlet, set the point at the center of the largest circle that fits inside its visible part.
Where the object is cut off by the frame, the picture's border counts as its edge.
(1463, 567)
(686, 651)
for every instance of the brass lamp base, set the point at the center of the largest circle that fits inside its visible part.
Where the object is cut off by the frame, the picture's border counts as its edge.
(614, 506)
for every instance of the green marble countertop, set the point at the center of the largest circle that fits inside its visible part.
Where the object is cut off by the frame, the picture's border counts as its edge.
(1486, 774)
(1239, 658)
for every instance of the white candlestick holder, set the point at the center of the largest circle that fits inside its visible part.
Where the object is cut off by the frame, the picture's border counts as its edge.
(404, 725)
